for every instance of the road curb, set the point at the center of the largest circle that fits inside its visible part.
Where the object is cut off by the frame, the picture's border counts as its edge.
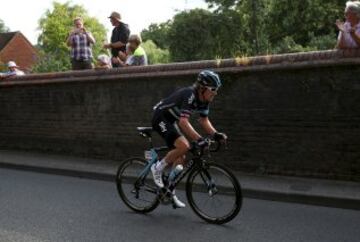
(60, 171)
(309, 199)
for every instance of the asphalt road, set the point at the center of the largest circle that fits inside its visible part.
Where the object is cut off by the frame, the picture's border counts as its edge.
(40, 207)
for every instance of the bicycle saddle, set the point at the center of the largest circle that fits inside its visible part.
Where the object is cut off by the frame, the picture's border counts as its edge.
(145, 131)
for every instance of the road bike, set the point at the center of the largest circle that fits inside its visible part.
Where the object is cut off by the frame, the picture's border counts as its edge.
(212, 191)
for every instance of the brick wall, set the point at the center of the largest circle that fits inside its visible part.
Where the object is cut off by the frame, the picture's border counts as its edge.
(286, 117)
(21, 51)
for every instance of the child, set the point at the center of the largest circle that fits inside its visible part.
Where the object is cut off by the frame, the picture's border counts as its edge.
(103, 62)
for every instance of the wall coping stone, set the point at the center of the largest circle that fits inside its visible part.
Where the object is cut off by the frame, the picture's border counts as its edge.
(302, 60)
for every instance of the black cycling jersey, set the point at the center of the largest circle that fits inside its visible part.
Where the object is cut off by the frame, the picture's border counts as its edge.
(182, 103)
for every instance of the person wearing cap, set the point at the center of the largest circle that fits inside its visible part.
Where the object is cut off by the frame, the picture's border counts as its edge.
(103, 62)
(349, 32)
(119, 38)
(80, 40)
(13, 70)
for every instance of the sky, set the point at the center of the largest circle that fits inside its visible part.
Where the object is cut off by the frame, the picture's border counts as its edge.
(23, 15)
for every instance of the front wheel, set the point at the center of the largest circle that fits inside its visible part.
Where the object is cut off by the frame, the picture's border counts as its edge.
(136, 186)
(214, 193)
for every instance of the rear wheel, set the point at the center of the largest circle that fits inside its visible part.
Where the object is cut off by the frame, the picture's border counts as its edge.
(214, 193)
(136, 186)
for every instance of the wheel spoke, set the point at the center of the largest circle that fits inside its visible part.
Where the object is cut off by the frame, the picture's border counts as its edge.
(225, 201)
(150, 188)
(142, 195)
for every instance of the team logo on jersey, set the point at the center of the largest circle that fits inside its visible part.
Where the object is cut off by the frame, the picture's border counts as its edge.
(191, 99)
(162, 126)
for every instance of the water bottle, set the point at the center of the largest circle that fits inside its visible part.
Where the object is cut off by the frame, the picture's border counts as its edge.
(175, 172)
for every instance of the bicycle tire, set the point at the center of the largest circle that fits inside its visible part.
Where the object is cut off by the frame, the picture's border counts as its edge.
(131, 179)
(224, 185)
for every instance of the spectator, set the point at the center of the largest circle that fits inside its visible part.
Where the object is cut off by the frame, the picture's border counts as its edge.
(103, 62)
(13, 70)
(349, 32)
(119, 38)
(80, 40)
(125, 58)
(129, 55)
(136, 55)
(139, 56)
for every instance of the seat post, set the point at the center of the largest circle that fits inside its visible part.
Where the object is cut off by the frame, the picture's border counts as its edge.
(146, 132)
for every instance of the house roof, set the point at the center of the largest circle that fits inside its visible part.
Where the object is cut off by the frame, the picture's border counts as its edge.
(5, 38)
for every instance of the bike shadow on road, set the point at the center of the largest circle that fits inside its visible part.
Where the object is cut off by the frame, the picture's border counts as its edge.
(175, 218)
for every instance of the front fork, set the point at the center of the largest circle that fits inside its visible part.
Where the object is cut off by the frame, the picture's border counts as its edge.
(209, 181)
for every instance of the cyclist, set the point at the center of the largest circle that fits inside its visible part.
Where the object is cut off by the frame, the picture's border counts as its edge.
(171, 120)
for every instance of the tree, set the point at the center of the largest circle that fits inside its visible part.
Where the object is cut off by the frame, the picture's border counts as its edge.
(200, 34)
(232, 28)
(301, 24)
(302, 20)
(155, 55)
(158, 33)
(189, 36)
(55, 26)
(251, 17)
(50, 62)
(3, 28)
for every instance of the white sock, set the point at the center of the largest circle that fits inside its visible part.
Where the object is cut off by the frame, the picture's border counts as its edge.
(160, 165)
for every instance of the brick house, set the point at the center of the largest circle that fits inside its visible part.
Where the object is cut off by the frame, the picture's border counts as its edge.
(14, 46)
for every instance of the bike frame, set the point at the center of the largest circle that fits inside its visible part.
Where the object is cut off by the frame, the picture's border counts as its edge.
(190, 165)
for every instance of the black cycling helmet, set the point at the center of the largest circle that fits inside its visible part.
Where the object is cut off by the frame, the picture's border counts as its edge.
(209, 79)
